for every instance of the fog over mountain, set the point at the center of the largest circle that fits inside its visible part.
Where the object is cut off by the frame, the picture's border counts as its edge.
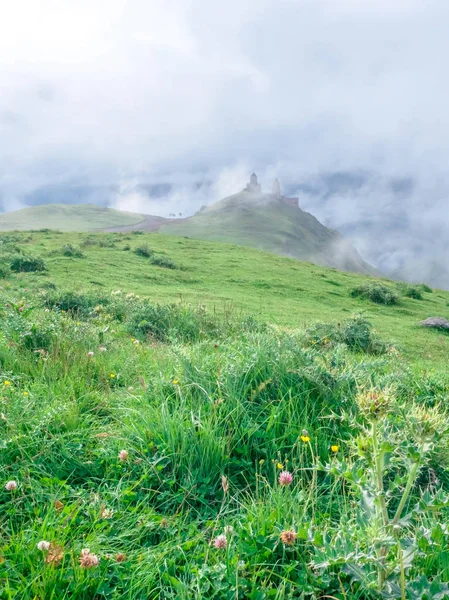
(167, 105)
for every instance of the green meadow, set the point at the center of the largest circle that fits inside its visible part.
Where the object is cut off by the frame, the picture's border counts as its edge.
(187, 419)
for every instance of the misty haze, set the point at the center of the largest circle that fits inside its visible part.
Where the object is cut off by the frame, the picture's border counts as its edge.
(163, 107)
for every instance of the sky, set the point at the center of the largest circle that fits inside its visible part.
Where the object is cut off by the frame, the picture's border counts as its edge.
(199, 93)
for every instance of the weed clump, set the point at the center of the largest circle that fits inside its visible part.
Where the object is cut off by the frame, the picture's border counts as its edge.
(165, 322)
(355, 333)
(71, 251)
(156, 260)
(163, 261)
(27, 264)
(380, 294)
(413, 291)
(143, 251)
(75, 304)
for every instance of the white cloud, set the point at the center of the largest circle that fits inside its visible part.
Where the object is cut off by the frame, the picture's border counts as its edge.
(115, 91)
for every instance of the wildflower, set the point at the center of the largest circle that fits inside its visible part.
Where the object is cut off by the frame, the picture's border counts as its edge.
(10, 486)
(288, 537)
(285, 478)
(25, 393)
(55, 554)
(120, 557)
(305, 439)
(175, 382)
(90, 354)
(123, 455)
(6, 383)
(88, 560)
(220, 542)
(280, 465)
(375, 404)
(335, 448)
(44, 546)
(21, 309)
(106, 513)
(112, 375)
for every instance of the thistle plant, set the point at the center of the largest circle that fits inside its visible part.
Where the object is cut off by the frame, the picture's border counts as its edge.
(381, 537)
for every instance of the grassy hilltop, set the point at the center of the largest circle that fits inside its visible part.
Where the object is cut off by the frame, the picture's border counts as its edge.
(265, 222)
(186, 419)
(67, 217)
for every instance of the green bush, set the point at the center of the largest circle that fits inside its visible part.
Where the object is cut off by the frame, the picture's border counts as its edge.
(107, 242)
(413, 291)
(27, 264)
(144, 251)
(163, 261)
(71, 302)
(380, 294)
(355, 333)
(71, 251)
(165, 322)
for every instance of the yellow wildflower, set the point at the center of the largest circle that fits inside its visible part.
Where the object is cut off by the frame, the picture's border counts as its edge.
(6, 383)
(280, 466)
(305, 439)
(25, 393)
(112, 375)
(175, 382)
(335, 448)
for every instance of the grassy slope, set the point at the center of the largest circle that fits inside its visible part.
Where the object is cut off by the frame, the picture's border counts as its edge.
(67, 217)
(272, 226)
(281, 290)
(118, 442)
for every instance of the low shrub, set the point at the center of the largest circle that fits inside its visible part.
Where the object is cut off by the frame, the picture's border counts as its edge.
(165, 322)
(107, 242)
(163, 261)
(355, 333)
(144, 251)
(376, 292)
(71, 251)
(27, 264)
(73, 303)
(413, 291)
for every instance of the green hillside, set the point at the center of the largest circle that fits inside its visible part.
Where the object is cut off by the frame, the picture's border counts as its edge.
(67, 217)
(183, 419)
(228, 278)
(270, 224)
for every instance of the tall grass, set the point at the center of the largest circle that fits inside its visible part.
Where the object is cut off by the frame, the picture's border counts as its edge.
(209, 412)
